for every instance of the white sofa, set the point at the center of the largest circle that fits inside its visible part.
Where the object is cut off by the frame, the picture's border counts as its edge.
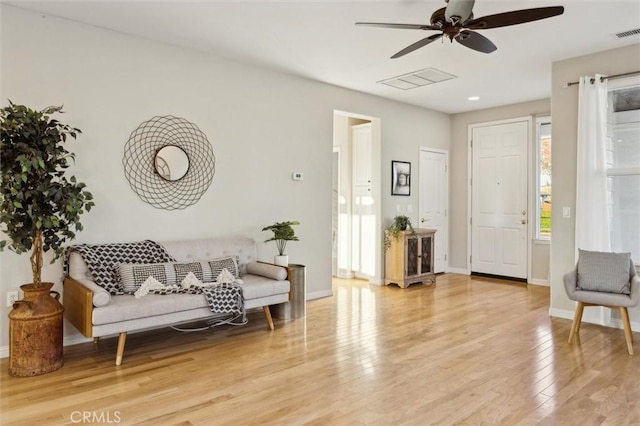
(96, 313)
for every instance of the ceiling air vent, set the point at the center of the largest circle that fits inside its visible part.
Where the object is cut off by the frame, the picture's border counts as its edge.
(628, 33)
(418, 78)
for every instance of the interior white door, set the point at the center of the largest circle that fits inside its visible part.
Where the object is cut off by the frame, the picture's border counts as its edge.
(363, 217)
(499, 199)
(361, 137)
(433, 202)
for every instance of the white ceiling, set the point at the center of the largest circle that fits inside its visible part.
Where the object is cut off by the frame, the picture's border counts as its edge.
(318, 40)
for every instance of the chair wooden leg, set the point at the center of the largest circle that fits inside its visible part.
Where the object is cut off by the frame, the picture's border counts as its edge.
(122, 338)
(267, 314)
(577, 319)
(624, 314)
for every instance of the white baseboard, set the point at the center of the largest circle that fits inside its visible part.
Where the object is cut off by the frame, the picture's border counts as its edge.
(376, 281)
(536, 281)
(458, 271)
(594, 315)
(344, 274)
(319, 294)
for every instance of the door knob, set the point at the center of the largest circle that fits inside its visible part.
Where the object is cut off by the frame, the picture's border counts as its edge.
(524, 212)
(523, 221)
(423, 220)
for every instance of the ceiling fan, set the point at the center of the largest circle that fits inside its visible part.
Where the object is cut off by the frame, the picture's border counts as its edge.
(456, 21)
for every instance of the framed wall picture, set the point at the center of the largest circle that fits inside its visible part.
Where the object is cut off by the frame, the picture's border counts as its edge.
(400, 178)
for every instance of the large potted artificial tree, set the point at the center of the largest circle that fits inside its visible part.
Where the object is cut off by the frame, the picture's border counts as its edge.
(41, 210)
(283, 232)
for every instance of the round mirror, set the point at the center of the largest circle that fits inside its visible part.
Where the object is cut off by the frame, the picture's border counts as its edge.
(171, 162)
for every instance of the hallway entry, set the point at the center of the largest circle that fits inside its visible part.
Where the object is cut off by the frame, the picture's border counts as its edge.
(356, 197)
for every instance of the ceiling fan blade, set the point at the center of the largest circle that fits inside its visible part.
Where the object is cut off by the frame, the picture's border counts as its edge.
(398, 26)
(417, 45)
(513, 18)
(475, 41)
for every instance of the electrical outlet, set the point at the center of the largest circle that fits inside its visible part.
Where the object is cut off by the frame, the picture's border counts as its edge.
(12, 296)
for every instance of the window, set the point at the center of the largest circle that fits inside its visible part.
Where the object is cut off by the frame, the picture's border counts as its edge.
(623, 165)
(543, 178)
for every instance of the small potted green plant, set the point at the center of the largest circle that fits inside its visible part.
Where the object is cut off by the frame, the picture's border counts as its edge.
(283, 232)
(399, 224)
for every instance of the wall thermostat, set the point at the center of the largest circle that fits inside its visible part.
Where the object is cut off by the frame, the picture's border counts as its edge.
(297, 176)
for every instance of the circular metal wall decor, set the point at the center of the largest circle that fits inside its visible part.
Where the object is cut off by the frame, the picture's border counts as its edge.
(168, 162)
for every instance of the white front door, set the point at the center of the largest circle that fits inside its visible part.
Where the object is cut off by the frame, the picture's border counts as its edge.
(499, 199)
(433, 202)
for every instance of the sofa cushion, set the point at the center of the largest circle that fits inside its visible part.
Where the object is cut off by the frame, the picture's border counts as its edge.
(255, 286)
(126, 307)
(603, 272)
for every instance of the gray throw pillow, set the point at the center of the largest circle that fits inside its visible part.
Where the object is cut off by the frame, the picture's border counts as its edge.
(604, 272)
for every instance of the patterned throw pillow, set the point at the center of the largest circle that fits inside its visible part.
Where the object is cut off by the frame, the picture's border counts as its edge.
(229, 263)
(132, 275)
(183, 269)
(604, 272)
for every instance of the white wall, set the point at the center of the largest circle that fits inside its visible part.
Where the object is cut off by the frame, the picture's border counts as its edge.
(564, 110)
(262, 126)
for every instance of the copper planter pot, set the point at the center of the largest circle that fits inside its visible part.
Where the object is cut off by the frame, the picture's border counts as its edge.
(35, 332)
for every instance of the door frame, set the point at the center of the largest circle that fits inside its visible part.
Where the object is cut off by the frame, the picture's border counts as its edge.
(445, 224)
(529, 120)
(376, 185)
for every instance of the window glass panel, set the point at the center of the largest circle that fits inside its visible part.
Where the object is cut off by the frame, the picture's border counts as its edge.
(623, 168)
(624, 211)
(543, 224)
(624, 144)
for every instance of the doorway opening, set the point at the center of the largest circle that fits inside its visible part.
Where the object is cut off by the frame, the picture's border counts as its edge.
(356, 197)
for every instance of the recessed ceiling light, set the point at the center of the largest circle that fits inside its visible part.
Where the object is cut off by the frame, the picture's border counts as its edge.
(473, 98)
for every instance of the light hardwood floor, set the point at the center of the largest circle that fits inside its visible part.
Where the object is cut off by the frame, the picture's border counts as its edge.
(465, 351)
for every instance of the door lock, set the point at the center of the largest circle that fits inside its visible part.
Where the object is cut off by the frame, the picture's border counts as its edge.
(524, 212)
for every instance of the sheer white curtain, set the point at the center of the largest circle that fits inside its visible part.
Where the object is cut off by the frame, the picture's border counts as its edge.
(592, 219)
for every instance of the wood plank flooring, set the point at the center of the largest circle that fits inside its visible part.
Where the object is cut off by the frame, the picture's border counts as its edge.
(469, 351)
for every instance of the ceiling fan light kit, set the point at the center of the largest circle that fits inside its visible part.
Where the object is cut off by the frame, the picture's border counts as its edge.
(456, 22)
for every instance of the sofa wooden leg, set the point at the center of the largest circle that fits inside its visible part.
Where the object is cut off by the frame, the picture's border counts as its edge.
(122, 338)
(624, 314)
(577, 319)
(267, 314)
(96, 340)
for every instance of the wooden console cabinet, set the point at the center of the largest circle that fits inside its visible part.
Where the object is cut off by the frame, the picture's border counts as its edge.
(409, 260)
